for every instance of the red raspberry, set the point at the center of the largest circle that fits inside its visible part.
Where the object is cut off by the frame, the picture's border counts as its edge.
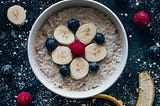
(24, 99)
(141, 19)
(77, 49)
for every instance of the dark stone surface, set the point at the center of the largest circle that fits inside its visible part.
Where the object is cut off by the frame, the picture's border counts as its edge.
(13, 50)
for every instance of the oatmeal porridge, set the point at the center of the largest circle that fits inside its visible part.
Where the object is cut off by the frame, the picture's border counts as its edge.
(112, 44)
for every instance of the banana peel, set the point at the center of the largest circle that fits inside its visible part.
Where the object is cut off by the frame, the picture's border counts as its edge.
(146, 90)
(108, 97)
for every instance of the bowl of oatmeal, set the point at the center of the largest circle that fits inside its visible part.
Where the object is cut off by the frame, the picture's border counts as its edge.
(62, 57)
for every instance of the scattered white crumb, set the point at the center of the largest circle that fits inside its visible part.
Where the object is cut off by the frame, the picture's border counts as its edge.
(13, 1)
(137, 3)
(130, 36)
(154, 63)
(157, 44)
(14, 53)
(125, 14)
(121, 13)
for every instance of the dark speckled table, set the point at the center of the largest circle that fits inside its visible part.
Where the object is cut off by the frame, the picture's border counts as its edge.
(13, 50)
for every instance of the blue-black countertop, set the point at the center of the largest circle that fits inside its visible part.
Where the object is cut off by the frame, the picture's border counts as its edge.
(13, 50)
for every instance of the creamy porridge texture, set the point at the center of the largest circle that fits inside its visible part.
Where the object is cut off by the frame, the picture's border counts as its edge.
(107, 65)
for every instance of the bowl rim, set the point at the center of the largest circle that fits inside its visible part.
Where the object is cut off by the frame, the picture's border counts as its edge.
(81, 94)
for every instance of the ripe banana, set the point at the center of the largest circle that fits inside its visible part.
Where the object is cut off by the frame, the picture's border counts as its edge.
(62, 55)
(86, 33)
(95, 52)
(146, 90)
(63, 35)
(79, 68)
(16, 14)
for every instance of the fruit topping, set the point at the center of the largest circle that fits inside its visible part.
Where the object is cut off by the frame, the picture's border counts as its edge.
(62, 55)
(99, 38)
(95, 52)
(63, 35)
(64, 70)
(94, 67)
(79, 68)
(51, 44)
(77, 49)
(86, 33)
(73, 25)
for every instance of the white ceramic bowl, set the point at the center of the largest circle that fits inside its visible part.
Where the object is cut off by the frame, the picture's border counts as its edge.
(70, 3)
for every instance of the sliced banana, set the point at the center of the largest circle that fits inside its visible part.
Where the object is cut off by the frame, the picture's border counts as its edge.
(16, 14)
(146, 90)
(63, 35)
(79, 68)
(62, 55)
(95, 52)
(86, 33)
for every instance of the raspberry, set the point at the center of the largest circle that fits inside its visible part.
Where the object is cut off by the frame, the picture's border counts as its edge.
(24, 99)
(141, 19)
(77, 49)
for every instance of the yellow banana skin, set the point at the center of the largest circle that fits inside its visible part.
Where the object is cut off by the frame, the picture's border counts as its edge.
(110, 98)
(146, 90)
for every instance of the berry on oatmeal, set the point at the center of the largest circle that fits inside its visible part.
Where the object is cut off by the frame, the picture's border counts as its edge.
(94, 67)
(73, 25)
(64, 70)
(51, 44)
(77, 49)
(141, 19)
(99, 38)
(24, 99)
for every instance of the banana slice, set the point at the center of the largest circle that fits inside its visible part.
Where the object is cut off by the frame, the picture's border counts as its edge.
(62, 55)
(79, 68)
(86, 33)
(95, 52)
(146, 90)
(16, 14)
(63, 35)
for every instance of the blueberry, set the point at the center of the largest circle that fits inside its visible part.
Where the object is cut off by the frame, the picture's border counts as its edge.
(51, 44)
(99, 38)
(7, 71)
(73, 25)
(64, 70)
(94, 67)
(154, 51)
